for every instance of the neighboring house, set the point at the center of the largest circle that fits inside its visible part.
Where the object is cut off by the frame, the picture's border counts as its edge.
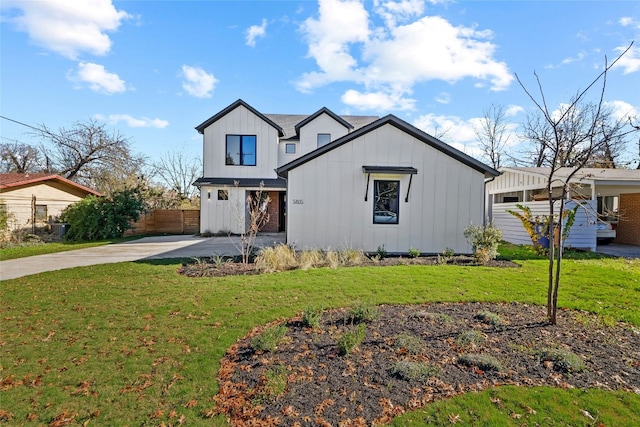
(344, 181)
(605, 195)
(32, 199)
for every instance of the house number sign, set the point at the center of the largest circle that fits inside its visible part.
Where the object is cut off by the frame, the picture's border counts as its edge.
(298, 202)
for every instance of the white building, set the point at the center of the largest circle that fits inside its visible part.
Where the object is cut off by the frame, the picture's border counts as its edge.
(340, 181)
(611, 195)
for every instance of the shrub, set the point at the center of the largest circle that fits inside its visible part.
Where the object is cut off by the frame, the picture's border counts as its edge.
(351, 340)
(381, 252)
(351, 257)
(310, 259)
(99, 218)
(484, 241)
(411, 343)
(414, 253)
(273, 383)
(563, 360)
(311, 316)
(364, 312)
(490, 318)
(485, 362)
(277, 258)
(415, 371)
(269, 339)
(470, 338)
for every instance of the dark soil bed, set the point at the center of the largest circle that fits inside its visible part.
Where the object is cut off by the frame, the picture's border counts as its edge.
(307, 381)
(208, 267)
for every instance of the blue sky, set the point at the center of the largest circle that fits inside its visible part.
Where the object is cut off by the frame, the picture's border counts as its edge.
(155, 69)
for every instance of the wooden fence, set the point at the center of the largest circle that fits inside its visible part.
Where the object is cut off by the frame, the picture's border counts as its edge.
(175, 221)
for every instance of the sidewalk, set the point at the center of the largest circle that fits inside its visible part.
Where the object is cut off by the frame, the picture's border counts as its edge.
(156, 247)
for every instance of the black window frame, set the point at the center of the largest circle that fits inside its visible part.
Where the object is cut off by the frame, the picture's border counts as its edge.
(380, 206)
(318, 139)
(223, 194)
(290, 144)
(229, 159)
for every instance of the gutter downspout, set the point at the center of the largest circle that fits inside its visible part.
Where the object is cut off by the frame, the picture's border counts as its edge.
(484, 199)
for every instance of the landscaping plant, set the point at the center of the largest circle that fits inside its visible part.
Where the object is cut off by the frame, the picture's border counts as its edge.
(484, 241)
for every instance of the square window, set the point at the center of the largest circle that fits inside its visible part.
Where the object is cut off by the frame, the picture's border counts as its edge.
(386, 202)
(223, 194)
(240, 150)
(323, 139)
(290, 148)
(41, 213)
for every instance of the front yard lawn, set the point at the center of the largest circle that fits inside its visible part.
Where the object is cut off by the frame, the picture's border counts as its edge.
(138, 344)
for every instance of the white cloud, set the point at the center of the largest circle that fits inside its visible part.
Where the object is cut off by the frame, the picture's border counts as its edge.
(443, 98)
(627, 21)
(133, 122)
(579, 57)
(97, 78)
(390, 60)
(513, 110)
(256, 31)
(68, 27)
(622, 110)
(630, 62)
(197, 82)
(379, 101)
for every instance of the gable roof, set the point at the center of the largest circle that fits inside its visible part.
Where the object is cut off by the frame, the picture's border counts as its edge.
(9, 181)
(404, 127)
(202, 126)
(288, 122)
(599, 175)
(323, 110)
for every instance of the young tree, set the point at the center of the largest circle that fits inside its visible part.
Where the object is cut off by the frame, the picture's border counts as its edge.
(568, 137)
(257, 215)
(493, 134)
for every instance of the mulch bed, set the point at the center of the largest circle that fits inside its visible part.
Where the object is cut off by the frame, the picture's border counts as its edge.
(207, 267)
(325, 387)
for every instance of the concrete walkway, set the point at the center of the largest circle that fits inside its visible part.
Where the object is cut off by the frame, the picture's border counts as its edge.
(147, 248)
(618, 250)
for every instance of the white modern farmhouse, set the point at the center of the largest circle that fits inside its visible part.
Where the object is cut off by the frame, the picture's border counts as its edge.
(340, 181)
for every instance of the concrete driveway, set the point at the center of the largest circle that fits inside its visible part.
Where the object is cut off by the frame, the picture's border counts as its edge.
(618, 250)
(147, 248)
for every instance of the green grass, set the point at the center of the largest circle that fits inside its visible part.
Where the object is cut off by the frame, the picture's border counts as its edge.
(137, 344)
(32, 249)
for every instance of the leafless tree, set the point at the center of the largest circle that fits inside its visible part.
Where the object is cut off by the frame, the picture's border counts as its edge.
(86, 151)
(493, 134)
(18, 157)
(568, 137)
(177, 171)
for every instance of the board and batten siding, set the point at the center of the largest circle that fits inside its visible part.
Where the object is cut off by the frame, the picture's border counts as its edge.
(240, 121)
(582, 234)
(321, 124)
(326, 197)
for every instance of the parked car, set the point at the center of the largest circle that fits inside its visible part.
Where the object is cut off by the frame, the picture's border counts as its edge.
(605, 233)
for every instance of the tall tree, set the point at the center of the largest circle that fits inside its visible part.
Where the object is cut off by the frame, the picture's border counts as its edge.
(177, 171)
(18, 157)
(84, 152)
(568, 137)
(493, 134)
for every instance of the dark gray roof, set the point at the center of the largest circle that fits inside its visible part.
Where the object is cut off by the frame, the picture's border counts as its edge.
(279, 183)
(202, 126)
(288, 122)
(403, 126)
(324, 110)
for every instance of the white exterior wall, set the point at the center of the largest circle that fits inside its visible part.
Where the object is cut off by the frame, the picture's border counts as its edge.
(326, 206)
(240, 121)
(321, 124)
(582, 234)
(283, 157)
(18, 201)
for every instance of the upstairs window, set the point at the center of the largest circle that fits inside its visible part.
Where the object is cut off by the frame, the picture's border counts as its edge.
(323, 139)
(290, 148)
(386, 202)
(241, 150)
